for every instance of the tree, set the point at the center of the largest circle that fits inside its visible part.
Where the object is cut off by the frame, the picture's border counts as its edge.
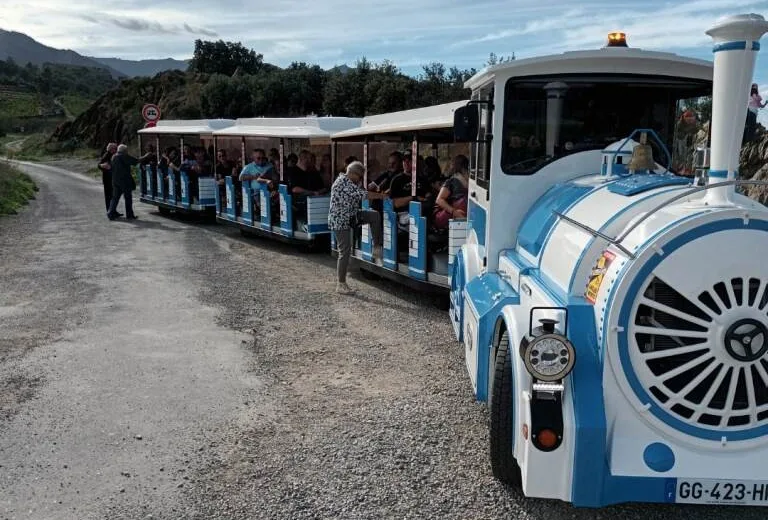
(222, 57)
(493, 59)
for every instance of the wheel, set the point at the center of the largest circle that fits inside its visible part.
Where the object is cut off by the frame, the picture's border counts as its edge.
(164, 211)
(501, 405)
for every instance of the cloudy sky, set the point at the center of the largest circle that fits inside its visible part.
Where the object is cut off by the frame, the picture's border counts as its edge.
(408, 32)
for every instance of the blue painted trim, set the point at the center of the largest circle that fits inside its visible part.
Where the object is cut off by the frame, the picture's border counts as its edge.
(230, 198)
(265, 207)
(286, 217)
(719, 174)
(624, 316)
(456, 308)
(735, 46)
(476, 220)
(636, 184)
(317, 228)
(489, 294)
(185, 199)
(604, 227)
(389, 223)
(541, 219)
(417, 265)
(366, 246)
(659, 457)
(246, 212)
(590, 465)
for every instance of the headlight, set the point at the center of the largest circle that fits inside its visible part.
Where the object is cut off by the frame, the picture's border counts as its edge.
(549, 357)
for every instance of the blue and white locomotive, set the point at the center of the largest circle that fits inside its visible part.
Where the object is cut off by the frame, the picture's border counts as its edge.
(613, 314)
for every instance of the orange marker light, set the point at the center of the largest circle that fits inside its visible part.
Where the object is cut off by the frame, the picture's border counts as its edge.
(617, 39)
(547, 439)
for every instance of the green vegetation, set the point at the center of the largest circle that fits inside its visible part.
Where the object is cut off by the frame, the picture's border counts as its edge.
(75, 105)
(18, 104)
(55, 79)
(16, 188)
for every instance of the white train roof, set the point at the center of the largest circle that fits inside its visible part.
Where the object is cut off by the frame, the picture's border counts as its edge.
(289, 127)
(436, 116)
(189, 126)
(614, 60)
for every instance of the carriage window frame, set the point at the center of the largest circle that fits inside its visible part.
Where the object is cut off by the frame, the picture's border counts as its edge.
(480, 148)
(675, 88)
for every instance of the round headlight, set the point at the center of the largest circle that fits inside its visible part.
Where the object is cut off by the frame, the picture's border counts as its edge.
(549, 357)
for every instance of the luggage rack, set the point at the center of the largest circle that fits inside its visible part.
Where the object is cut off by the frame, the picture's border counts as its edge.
(616, 241)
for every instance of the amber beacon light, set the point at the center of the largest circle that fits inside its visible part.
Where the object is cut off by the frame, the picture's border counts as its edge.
(617, 39)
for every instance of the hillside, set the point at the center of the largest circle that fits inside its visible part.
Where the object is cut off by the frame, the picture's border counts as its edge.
(298, 90)
(22, 49)
(134, 68)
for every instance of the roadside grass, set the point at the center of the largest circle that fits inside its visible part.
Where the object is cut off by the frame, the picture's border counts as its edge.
(16, 188)
(37, 148)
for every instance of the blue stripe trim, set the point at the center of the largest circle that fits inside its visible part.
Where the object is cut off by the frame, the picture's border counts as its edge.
(605, 226)
(317, 228)
(623, 341)
(719, 174)
(735, 46)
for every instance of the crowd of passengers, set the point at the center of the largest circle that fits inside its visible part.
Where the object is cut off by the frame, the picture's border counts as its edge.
(443, 195)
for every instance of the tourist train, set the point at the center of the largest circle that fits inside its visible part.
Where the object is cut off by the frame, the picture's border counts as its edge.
(606, 283)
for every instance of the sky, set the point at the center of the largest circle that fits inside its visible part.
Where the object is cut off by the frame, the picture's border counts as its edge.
(409, 33)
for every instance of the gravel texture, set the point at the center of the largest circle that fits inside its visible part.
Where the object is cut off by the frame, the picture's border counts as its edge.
(214, 376)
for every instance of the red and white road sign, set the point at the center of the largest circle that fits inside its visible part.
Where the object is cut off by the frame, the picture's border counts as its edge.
(150, 113)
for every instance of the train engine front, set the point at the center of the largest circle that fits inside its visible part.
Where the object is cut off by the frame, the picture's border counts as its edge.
(624, 356)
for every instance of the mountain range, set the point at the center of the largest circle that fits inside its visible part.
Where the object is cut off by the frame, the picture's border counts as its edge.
(23, 49)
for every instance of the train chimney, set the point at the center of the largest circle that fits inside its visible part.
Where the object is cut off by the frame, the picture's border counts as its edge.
(736, 42)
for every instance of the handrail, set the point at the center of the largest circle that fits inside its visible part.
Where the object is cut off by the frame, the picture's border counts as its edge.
(616, 241)
(593, 231)
(696, 189)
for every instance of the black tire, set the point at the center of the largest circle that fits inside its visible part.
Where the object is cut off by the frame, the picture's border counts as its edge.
(500, 404)
(164, 211)
(369, 275)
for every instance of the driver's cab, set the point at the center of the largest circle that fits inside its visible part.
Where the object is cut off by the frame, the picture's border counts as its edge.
(537, 122)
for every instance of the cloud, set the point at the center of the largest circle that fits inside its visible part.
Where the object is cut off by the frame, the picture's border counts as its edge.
(199, 30)
(409, 33)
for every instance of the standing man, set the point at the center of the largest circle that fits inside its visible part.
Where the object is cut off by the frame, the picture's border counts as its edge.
(106, 174)
(345, 214)
(122, 181)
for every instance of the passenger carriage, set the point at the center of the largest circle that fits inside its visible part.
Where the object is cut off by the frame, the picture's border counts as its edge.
(613, 312)
(272, 210)
(413, 254)
(179, 189)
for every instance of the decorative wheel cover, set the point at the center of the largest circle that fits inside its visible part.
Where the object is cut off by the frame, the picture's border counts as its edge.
(695, 345)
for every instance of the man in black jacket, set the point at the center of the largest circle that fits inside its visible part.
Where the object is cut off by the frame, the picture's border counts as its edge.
(105, 165)
(122, 181)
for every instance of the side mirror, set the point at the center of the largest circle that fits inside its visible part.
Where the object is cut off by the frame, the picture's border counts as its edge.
(466, 122)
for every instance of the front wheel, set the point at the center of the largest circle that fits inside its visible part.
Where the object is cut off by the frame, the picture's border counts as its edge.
(501, 405)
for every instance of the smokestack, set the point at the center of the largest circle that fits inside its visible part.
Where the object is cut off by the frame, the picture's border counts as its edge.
(555, 98)
(737, 41)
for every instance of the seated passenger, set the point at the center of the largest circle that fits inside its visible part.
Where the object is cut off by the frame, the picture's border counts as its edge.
(258, 170)
(224, 167)
(326, 171)
(451, 202)
(394, 167)
(302, 179)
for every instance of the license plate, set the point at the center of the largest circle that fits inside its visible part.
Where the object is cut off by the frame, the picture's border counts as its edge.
(735, 492)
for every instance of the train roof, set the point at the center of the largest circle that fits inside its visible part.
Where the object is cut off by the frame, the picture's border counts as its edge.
(608, 60)
(189, 126)
(289, 127)
(427, 118)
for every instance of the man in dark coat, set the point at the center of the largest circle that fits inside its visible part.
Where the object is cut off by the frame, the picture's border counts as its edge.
(105, 165)
(122, 181)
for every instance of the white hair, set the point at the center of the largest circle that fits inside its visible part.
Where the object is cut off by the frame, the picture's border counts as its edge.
(122, 148)
(356, 167)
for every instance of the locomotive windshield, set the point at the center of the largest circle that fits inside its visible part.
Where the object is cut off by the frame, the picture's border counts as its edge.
(546, 118)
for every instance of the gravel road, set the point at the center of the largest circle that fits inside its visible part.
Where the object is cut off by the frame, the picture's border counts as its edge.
(167, 369)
